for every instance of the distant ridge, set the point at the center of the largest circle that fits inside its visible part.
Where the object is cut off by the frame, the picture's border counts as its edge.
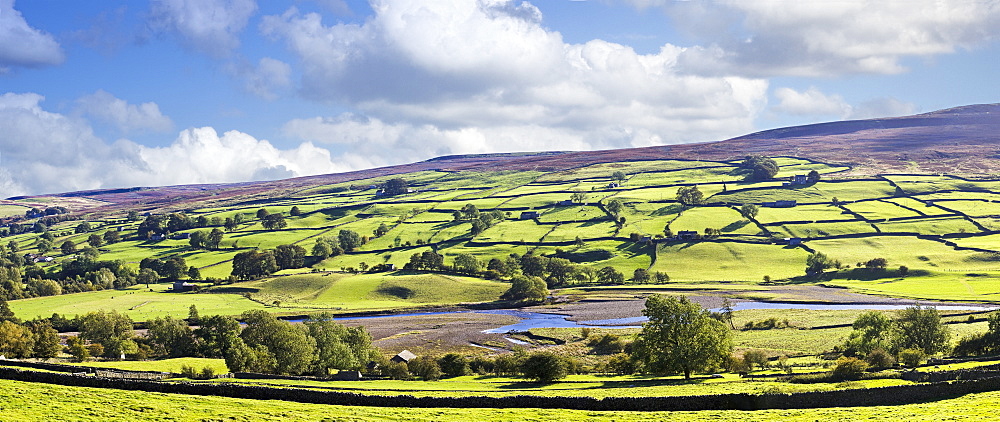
(962, 140)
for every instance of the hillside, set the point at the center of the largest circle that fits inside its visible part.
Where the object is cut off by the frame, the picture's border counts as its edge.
(961, 140)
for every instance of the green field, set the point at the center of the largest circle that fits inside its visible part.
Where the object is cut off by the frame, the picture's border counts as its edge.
(31, 402)
(852, 220)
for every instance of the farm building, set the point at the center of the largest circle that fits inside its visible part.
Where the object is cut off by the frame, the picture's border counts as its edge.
(781, 204)
(529, 215)
(403, 357)
(181, 286)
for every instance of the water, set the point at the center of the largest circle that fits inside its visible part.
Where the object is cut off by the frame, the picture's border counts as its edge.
(531, 320)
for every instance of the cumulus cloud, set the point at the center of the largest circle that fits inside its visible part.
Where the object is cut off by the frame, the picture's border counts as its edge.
(24, 46)
(476, 76)
(778, 37)
(125, 117)
(46, 152)
(810, 102)
(209, 26)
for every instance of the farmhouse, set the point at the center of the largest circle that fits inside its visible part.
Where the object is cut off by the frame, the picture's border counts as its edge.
(403, 357)
(181, 286)
(797, 180)
(687, 235)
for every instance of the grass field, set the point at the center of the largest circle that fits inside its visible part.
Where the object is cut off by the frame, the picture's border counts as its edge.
(31, 402)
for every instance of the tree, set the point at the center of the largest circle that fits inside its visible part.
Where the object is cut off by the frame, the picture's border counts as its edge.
(749, 211)
(274, 221)
(544, 367)
(68, 247)
(468, 264)
(292, 349)
(526, 289)
(877, 264)
(82, 227)
(213, 239)
(230, 224)
(174, 268)
(690, 195)
(395, 186)
(872, 331)
(609, 275)
(194, 273)
(339, 347)
(95, 240)
(759, 168)
(681, 337)
(349, 240)
(216, 335)
(727, 312)
(46, 339)
(321, 249)
(920, 327)
(43, 246)
(112, 236)
(813, 176)
(425, 367)
(578, 197)
(640, 276)
(170, 337)
(614, 206)
(289, 256)
(16, 341)
(261, 213)
(254, 264)
(619, 176)
(453, 365)
(147, 276)
(381, 230)
(818, 262)
(111, 330)
(197, 240)
(75, 347)
(295, 211)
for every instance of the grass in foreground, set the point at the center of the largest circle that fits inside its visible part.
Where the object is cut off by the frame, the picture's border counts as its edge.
(28, 402)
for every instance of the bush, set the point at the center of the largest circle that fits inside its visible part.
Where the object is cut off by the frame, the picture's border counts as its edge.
(849, 369)
(425, 367)
(880, 359)
(544, 367)
(481, 365)
(396, 371)
(754, 358)
(453, 365)
(912, 358)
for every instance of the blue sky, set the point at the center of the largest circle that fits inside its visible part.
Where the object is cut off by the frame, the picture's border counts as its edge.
(128, 93)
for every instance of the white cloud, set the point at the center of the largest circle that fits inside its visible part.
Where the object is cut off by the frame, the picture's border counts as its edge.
(883, 107)
(127, 118)
(24, 46)
(209, 26)
(810, 102)
(809, 38)
(200, 155)
(813, 102)
(46, 152)
(489, 68)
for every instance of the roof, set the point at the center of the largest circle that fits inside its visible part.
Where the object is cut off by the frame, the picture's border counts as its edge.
(406, 355)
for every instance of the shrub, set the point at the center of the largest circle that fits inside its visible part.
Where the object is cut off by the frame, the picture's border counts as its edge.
(848, 369)
(754, 358)
(425, 367)
(453, 365)
(912, 358)
(544, 367)
(481, 365)
(879, 359)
